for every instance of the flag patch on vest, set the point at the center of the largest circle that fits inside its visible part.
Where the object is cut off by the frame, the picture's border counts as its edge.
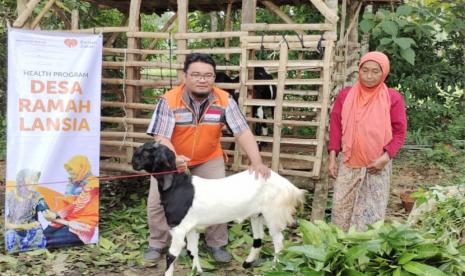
(184, 117)
(212, 115)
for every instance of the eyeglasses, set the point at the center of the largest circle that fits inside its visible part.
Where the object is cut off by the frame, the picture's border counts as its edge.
(197, 76)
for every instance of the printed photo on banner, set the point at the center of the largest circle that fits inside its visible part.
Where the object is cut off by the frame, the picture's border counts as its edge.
(53, 139)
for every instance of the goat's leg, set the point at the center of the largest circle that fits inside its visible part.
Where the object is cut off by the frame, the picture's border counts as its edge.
(193, 249)
(177, 244)
(258, 233)
(277, 236)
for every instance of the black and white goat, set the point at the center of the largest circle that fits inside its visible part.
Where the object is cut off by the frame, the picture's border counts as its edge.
(263, 92)
(192, 202)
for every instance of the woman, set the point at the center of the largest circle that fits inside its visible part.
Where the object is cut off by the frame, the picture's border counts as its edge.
(22, 206)
(78, 211)
(368, 122)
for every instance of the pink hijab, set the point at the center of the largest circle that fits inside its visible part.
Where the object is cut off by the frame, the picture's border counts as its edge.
(366, 120)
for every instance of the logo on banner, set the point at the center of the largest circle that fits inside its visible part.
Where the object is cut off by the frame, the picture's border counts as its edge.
(70, 42)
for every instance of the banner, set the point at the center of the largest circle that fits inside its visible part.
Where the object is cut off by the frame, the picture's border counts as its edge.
(53, 139)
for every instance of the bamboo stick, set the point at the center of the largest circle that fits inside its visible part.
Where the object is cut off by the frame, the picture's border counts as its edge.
(109, 166)
(157, 64)
(286, 82)
(22, 18)
(327, 12)
(128, 105)
(235, 50)
(287, 27)
(289, 38)
(119, 134)
(142, 83)
(290, 63)
(293, 46)
(130, 121)
(44, 10)
(302, 92)
(277, 140)
(97, 30)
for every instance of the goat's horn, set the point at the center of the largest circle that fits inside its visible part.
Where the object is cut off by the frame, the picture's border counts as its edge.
(157, 143)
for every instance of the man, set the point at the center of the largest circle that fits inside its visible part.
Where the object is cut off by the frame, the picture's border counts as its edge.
(189, 119)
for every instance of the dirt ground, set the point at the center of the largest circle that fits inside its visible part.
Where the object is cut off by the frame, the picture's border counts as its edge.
(405, 176)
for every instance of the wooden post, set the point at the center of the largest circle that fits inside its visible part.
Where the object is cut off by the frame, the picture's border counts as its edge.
(278, 111)
(183, 9)
(272, 7)
(26, 11)
(74, 19)
(321, 189)
(249, 14)
(133, 25)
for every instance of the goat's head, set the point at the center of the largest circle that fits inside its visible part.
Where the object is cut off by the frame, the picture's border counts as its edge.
(154, 157)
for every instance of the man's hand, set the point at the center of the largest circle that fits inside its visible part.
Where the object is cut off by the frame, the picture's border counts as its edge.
(377, 165)
(181, 162)
(260, 169)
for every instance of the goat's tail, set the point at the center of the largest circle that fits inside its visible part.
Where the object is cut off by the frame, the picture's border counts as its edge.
(282, 201)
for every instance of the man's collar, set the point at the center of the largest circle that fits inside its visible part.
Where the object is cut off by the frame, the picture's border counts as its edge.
(187, 97)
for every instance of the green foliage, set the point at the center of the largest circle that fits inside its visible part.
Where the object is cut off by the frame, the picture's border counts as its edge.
(446, 221)
(384, 249)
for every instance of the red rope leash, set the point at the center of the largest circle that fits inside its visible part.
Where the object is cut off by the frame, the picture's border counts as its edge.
(98, 177)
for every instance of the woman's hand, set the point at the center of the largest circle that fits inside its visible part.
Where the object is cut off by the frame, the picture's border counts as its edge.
(181, 162)
(332, 165)
(377, 165)
(49, 215)
(260, 169)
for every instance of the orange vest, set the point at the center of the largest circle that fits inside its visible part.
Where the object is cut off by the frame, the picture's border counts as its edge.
(197, 138)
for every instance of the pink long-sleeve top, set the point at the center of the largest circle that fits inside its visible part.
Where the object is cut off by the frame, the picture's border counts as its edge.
(398, 122)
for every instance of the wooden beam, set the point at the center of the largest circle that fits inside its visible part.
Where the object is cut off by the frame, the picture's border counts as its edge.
(22, 18)
(327, 12)
(272, 7)
(44, 10)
